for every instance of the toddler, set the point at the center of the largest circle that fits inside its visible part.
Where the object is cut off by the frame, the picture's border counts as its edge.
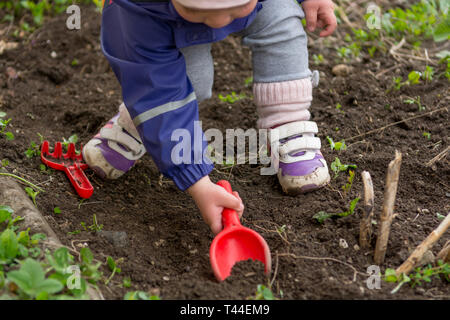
(160, 52)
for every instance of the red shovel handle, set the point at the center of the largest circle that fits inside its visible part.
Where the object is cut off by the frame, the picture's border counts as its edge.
(230, 217)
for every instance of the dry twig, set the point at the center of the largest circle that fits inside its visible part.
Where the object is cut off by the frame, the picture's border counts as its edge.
(387, 214)
(439, 157)
(426, 244)
(355, 272)
(444, 254)
(396, 123)
(365, 227)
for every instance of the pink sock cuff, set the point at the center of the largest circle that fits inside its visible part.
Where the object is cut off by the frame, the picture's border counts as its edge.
(286, 92)
(282, 102)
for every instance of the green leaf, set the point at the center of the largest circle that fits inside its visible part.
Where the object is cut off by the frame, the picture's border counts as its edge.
(31, 279)
(34, 270)
(111, 263)
(9, 136)
(321, 216)
(8, 245)
(42, 296)
(50, 286)
(2, 279)
(86, 255)
(353, 205)
(442, 31)
(60, 259)
(126, 282)
(23, 251)
(24, 238)
(5, 213)
(136, 295)
(21, 279)
(267, 294)
(414, 77)
(390, 275)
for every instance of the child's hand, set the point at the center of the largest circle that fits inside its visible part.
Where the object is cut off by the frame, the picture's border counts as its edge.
(320, 13)
(211, 199)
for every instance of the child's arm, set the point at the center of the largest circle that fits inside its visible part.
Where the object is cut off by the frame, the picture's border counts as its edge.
(320, 13)
(161, 101)
(211, 199)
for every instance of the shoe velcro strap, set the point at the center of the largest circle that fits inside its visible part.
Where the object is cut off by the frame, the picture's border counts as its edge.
(291, 129)
(117, 134)
(300, 144)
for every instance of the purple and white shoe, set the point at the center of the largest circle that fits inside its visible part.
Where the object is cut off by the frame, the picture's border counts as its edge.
(301, 166)
(113, 151)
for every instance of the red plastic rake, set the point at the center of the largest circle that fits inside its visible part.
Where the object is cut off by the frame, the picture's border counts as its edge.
(71, 163)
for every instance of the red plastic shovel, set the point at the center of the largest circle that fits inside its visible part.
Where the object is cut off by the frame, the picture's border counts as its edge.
(72, 164)
(236, 243)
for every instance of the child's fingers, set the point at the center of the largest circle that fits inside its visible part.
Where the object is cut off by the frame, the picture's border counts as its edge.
(216, 226)
(240, 212)
(311, 19)
(330, 23)
(232, 202)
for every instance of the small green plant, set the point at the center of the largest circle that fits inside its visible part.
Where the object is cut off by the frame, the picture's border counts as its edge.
(74, 62)
(414, 77)
(344, 53)
(140, 295)
(32, 151)
(337, 167)
(318, 59)
(89, 267)
(321, 216)
(72, 139)
(372, 51)
(4, 163)
(57, 210)
(94, 227)
(427, 75)
(33, 194)
(126, 282)
(30, 279)
(346, 188)
(338, 146)
(232, 98)
(426, 135)
(248, 81)
(113, 266)
(34, 275)
(263, 293)
(440, 216)
(415, 100)
(420, 274)
(3, 124)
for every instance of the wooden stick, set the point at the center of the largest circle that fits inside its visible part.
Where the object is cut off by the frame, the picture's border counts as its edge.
(396, 123)
(365, 226)
(444, 254)
(388, 208)
(426, 244)
(439, 157)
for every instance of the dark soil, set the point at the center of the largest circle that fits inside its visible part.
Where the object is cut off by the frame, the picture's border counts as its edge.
(162, 238)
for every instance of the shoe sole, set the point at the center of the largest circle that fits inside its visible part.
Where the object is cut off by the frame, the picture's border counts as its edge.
(95, 160)
(301, 185)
